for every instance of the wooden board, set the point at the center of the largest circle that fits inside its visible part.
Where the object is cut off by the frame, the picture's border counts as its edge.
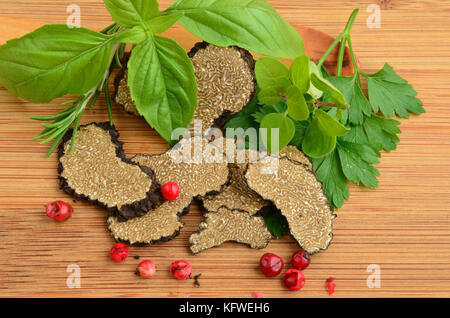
(404, 226)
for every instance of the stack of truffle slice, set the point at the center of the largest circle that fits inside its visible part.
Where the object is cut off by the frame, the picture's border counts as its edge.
(233, 187)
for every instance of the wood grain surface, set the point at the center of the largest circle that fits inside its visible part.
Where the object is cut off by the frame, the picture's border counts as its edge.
(403, 226)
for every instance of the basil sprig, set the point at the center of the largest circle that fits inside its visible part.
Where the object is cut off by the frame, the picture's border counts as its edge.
(56, 60)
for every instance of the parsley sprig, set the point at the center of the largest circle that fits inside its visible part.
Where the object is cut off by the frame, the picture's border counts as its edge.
(338, 156)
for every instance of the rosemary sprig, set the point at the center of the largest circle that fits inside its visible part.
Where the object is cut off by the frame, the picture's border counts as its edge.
(62, 121)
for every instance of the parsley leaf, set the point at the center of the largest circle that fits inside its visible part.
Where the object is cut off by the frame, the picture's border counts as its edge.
(357, 163)
(329, 171)
(276, 223)
(392, 95)
(351, 88)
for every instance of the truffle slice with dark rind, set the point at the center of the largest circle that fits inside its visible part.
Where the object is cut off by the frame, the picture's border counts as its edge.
(236, 195)
(227, 225)
(296, 192)
(97, 171)
(196, 177)
(226, 82)
(225, 78)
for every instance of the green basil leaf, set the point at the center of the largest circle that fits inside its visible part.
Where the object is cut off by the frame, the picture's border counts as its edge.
(134, 35)
(131, 13)
(286, 131)
(53, 61)
(296, 102)
(299, 73)
(315, 143)
(271, 73)
(251, 24)
(162, 23)
(328, 125)
(326, 87)
(162, 84)
(269, 96)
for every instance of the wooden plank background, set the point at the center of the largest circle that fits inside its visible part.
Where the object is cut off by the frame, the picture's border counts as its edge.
(403, 226)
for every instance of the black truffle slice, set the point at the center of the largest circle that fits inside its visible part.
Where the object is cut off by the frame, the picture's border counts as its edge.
(196, 177)
(97, 171)
(122, 94)
(226, 82)
(236, 195)
(225, 78)
(296, 192)
(227, 225)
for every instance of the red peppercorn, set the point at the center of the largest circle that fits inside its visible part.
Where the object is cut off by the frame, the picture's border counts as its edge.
(256, 294)
(170, 191)
(58, 210)
(294, 279)
(271, 265)
(119, 252)
(146, 269)
(181, 269)
(300, 260)
(330, 286)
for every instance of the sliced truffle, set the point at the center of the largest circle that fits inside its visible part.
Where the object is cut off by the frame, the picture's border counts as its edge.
(226, 82)
(295, 155)
(236, 195)
(122, 95)
(227, 225)
(296, 192)
(196, 177)
(225, 78)
(97, 171)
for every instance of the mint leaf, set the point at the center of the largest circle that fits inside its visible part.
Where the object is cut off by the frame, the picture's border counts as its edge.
(300, 130)
(392, 95)
(299, 73)
(269, 95)
(129, 13)
(162, 84)
(328, 125)
(53, 61)
(273, 125)
(352, 91)
(271, 73)
(329, 171)
(276, 223)
(316, 144)
(314, 91)
(251, 24)
(297, 108)
(357, 163)
(326, 87)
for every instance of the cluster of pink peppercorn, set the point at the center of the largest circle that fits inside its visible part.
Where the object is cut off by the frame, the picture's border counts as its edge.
(179, 269)
(272, 265)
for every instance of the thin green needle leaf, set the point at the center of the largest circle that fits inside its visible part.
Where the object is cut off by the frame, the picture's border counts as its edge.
(45, 133)
(108, 103)
(94, 99)
(56, 143)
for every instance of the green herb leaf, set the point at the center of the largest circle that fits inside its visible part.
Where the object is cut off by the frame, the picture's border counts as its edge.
(330, 126)
(392, 95)
(351, 89)
(162, 23)
(131, 13)
(276, 223)
(269, 95)
(251, 24)
(54, 61)
(357, 163)
(326, 87)
(162, 84)
(271, 73)
(299, 73)
(316, 144)
(314, 91)
(377, 132)
(329, 171)
(286, 131)
(264, 110)
(297, 108)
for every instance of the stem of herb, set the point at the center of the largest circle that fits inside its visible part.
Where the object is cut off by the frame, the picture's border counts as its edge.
(330, 49)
